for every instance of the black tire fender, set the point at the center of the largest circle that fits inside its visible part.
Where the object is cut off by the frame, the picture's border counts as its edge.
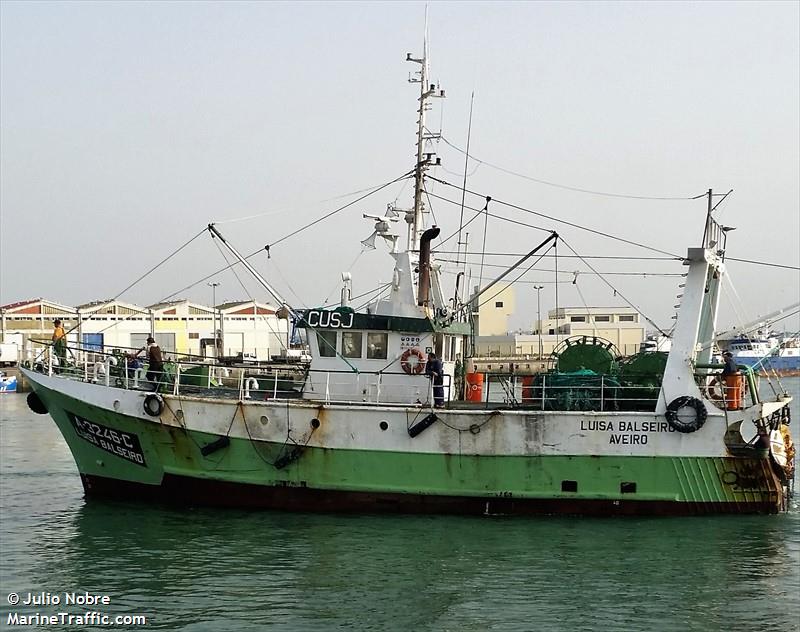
(687, 401)
(36, 404)
(153, 405)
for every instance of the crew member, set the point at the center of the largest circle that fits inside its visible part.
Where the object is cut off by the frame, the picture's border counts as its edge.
(60, 344)
(732, 380)
(155, 362)
(730, 367)
(435, 370)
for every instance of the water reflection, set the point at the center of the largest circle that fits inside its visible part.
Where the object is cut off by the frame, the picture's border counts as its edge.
(302, 571)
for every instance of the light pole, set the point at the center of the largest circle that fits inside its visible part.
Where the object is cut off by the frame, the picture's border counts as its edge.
(539, 289)
(213, 287)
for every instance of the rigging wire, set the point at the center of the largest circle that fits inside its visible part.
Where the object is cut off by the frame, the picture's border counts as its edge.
(150, 271)
(376, 296)
(288, 285)
(763, 263)
(341, 208)
(562, 221)
(633, 274)
(402, 189)
(555, 276)
(454, 233)
(466, 175)
(670, 256)
(521, 254)
(525, 282)
(583, 300)
(616, 291)
(485, 230)
(350, 267)
(283, 209)
(267, 248)
(570, 188)
(251, 297)
(525, 271)
(370, 292)
(430, 206)
(735, 301)
(160, 263)
(456, 174)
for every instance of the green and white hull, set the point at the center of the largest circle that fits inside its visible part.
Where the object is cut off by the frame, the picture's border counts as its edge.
(301, 455)
(367, 430)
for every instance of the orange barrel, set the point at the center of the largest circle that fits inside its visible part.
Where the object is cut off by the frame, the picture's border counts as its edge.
(734, 387)
(474, 387)
(527, 389)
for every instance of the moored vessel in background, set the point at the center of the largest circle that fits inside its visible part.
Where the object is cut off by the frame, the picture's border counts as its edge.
(8, 383)
(773, 353)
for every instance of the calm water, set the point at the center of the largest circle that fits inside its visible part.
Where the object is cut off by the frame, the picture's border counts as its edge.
(223, 570)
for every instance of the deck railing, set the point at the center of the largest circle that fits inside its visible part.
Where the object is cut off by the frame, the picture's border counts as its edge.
(548, 392)
(190, 376)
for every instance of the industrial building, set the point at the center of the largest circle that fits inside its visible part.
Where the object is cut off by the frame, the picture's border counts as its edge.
(621, 326)
(249, 328)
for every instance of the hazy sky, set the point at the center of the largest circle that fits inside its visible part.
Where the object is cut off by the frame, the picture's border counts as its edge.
(127, 127)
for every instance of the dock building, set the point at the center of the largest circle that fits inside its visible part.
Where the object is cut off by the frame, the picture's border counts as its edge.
(623, 326)
(248, 328)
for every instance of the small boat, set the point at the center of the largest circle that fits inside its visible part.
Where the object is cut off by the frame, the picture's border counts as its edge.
(376, 424)
(8, 383)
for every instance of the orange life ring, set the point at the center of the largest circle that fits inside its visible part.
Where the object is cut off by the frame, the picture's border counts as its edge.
(412, 367)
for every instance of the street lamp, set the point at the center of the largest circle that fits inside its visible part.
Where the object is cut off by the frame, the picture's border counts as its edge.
(213, 287)
(539, 289)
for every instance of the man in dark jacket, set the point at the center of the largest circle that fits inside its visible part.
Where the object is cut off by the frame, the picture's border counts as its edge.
(732, 382)
(730, 367)
(435, 370)
(155, 362)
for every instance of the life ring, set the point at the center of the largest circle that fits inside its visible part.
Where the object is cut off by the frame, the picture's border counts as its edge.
(716, 389)
(153, 405)
(701, 414)
(412, 367)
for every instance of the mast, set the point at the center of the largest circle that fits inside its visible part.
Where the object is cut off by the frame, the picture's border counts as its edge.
(424, 160)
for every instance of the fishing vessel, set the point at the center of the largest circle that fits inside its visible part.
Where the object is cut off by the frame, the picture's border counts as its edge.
(375, 424)
(772, 353)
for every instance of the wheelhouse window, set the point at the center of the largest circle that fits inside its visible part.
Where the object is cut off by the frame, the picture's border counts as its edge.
(577, 319)
(627, 318)
(326, 340)
(351, 344)
(377, 345)
(602, 319)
